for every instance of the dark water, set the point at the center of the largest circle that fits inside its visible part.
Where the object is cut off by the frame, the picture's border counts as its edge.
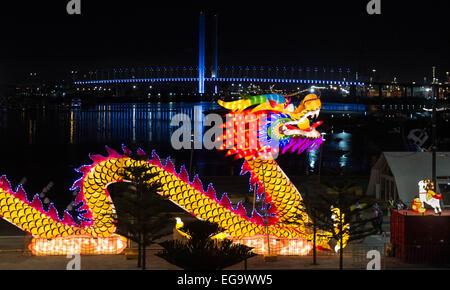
(45, 144)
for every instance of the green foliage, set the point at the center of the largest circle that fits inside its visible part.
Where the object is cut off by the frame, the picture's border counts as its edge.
(141, 212)
(200, 252)
(356, 210)
(318, 212)
(317, 209)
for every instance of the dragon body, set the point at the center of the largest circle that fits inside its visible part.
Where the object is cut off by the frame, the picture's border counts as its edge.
(92, 231)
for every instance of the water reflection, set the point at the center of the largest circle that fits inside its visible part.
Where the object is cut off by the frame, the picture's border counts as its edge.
(46, 143)
(314, 158)
(147, 123)
(334, 152)
(136, 122)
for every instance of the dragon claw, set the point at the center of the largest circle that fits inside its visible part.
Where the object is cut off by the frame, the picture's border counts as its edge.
(77, 213)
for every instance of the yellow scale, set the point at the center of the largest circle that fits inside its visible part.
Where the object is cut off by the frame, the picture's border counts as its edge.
(279, 189)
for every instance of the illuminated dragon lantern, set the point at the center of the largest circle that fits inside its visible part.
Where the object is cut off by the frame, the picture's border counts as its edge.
(280, 127)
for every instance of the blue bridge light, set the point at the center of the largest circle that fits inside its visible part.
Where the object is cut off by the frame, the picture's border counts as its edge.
(216, 80)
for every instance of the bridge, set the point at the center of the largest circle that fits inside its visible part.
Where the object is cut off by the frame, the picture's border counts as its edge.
(222, 80)
(210, 79)
(210, 85)
(203, 79)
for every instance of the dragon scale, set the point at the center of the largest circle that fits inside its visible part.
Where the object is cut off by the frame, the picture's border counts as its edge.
(93, 229)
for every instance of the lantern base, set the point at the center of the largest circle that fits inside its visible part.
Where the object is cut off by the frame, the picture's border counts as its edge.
(78, 244)
(278, 246)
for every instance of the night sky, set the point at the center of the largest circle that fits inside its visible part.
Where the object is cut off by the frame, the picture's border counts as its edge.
(404, 41)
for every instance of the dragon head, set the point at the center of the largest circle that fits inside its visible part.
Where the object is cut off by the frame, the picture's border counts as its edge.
(281, 126)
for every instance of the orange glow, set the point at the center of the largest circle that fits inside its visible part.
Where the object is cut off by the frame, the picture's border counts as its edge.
(92, 232)
(417, 206)
(278, 246)
(78, 244)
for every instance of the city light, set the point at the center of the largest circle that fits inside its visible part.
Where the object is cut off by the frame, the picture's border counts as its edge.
(215, 80)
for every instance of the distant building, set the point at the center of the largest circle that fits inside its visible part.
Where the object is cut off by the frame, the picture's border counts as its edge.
(396, 174)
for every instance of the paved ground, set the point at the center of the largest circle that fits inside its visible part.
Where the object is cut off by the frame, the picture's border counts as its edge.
(19, 261)
(12, 256)
(354, 258)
